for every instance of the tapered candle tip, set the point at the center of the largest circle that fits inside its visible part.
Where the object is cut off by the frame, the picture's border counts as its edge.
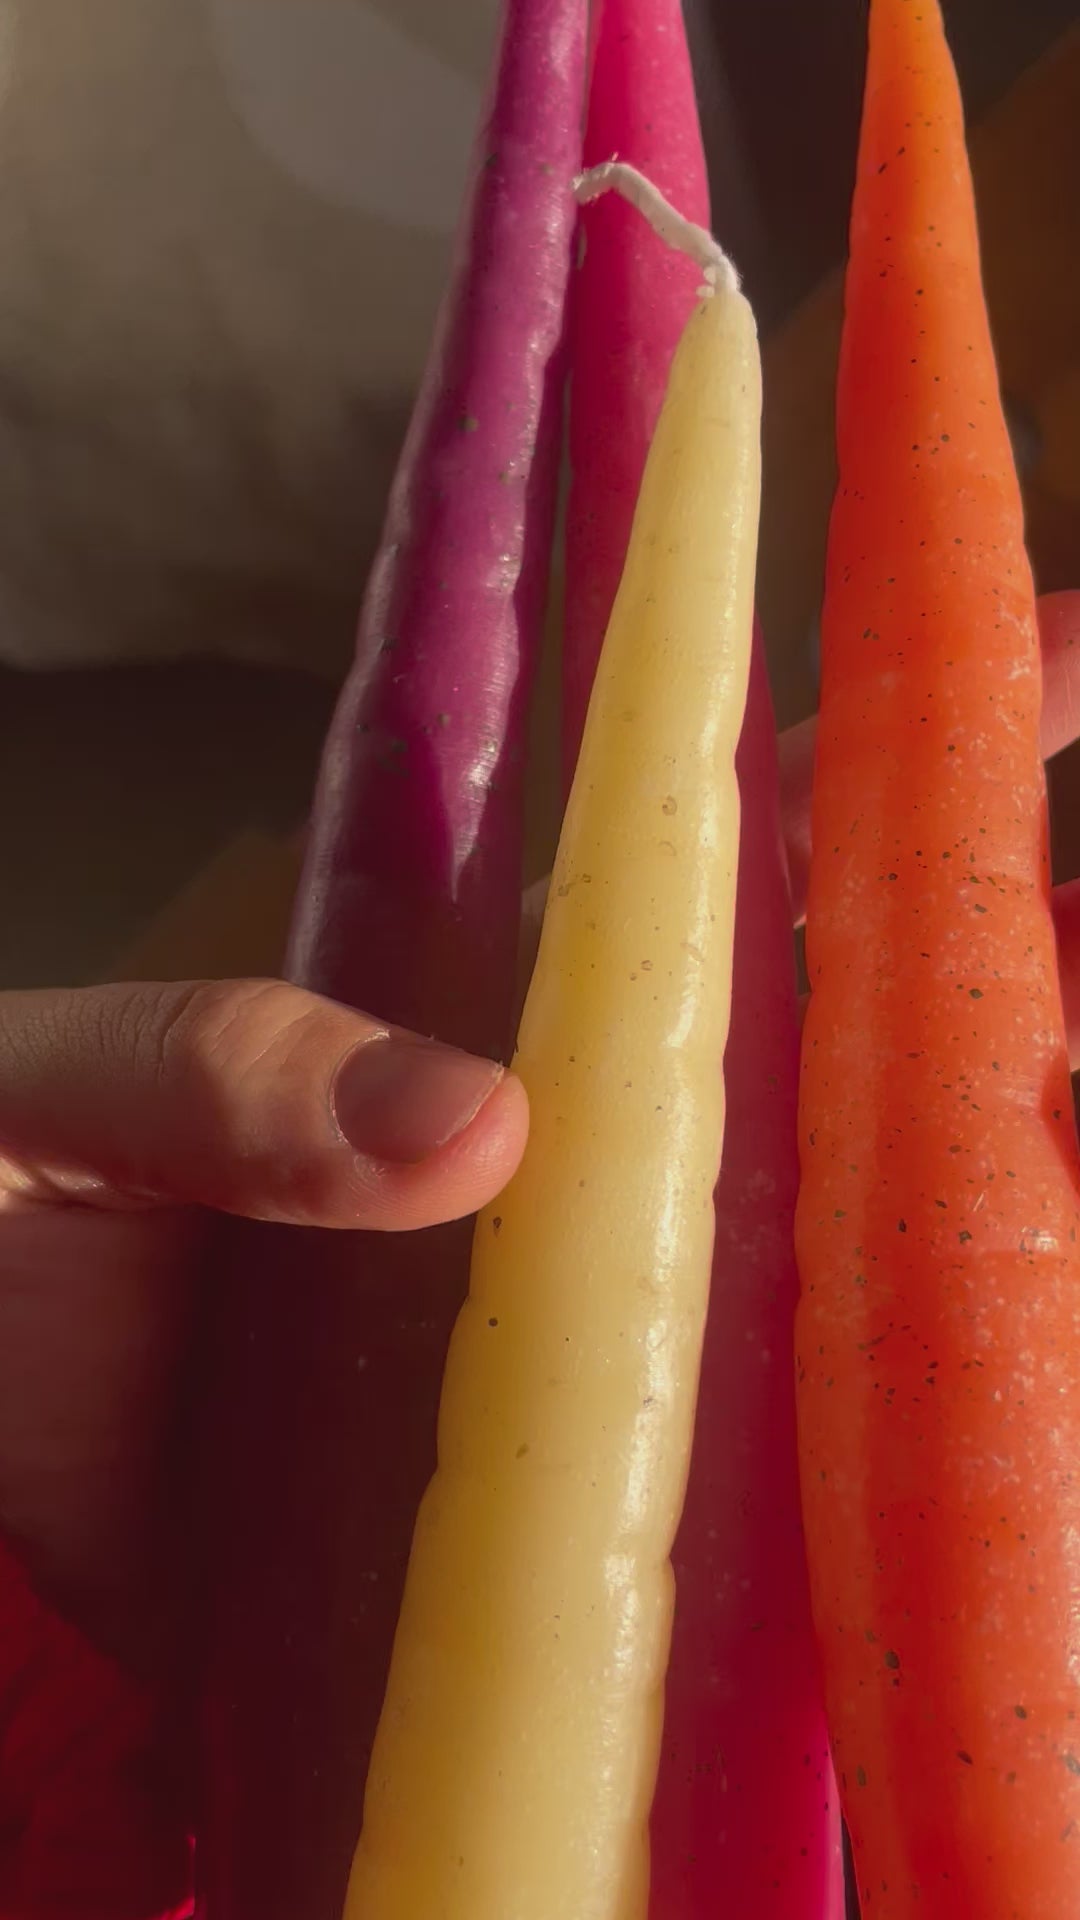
(618, 176)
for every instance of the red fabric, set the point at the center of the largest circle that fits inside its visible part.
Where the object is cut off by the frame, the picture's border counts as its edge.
(87, 1831)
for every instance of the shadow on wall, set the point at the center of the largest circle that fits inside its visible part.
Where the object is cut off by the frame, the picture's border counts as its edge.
(223, 233)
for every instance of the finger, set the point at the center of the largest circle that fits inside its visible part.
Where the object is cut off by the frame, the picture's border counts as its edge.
(1059, 631)
(250, 1096)
(1066, 906)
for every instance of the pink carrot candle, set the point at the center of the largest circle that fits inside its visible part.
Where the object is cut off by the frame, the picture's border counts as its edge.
(409, 907)
(630, 300)
(746, 1816)
(746, 1813)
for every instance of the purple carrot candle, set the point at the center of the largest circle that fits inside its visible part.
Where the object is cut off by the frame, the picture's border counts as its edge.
(409, 900)
(331, 1356)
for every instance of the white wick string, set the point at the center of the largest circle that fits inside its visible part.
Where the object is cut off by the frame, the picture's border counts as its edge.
(617, 176)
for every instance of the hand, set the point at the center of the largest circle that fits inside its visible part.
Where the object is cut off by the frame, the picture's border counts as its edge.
(126, 1111)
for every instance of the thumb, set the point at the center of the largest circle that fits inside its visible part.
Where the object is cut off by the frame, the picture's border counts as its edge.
(251, 1096)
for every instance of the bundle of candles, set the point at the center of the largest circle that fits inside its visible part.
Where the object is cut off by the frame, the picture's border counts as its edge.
(872, 1519)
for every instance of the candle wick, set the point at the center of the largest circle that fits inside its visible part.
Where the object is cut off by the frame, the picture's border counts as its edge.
(619, 177)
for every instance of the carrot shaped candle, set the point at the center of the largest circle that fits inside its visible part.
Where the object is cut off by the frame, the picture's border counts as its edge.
(938, 1333)
(414, 860)
(409, 907)
(746, 1818)
(630, 299)
(516, 1755)
(745, 1808)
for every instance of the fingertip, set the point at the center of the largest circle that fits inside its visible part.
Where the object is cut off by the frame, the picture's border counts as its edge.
(1059, 635)
(457, 1179)
(489, 1151)
(1066, 911)
(1059, 616)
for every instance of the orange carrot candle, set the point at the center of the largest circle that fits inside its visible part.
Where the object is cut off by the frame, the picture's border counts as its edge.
(938, 1333)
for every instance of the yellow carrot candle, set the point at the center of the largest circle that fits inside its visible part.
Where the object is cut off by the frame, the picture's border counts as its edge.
(516, 1756)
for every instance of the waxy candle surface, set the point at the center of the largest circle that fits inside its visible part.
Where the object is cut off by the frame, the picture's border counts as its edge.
(938, 1332)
